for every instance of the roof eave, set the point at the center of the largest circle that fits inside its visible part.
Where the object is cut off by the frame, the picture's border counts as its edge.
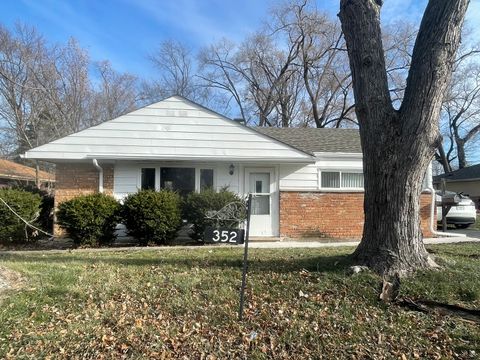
(435, 180)
(307, 159)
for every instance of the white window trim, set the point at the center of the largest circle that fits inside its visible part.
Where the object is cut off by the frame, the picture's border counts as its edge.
(345, 189)
(139, 176)
(197, 177)
(158, 174)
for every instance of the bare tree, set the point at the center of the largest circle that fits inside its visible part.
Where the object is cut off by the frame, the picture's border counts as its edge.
(115, 95)
(21, 54)
(266, 69)
(398, 144)
(66, 88)
(398, 41)
(177, 71)
(46, 91)
(219, 70)
(461, 109)
(322, 61)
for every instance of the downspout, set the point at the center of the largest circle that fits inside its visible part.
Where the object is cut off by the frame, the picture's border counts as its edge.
(433, 205)
(433, 221)
(100, 175)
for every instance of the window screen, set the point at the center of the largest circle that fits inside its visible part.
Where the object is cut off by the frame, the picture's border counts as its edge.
(352, 180)
(148, 179)
(206, 179)
(330, 179)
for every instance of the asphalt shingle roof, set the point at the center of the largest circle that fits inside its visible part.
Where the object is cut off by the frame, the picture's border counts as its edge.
(467, 173)
(15, 171)
(313, 140)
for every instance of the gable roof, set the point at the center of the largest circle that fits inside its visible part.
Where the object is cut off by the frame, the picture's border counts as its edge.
(13, 171)
(172, 129)
(314, 140)
(467, 173)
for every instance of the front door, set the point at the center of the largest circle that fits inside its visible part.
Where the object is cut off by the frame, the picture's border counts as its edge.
(261, 184)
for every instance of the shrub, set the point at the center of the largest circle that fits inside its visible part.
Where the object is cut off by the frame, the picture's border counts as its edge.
(45, 219)
(197, 205)
(152, 216)
(26, 205)
(89, 219)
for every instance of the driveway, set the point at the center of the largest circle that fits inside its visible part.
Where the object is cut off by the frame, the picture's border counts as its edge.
(471, 233)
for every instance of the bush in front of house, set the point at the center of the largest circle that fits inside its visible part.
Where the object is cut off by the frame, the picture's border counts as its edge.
(90, 219)
(152, 216)
(45, 219)
(197, 205)
(26, 205)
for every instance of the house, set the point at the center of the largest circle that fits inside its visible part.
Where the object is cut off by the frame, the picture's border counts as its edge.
(466, 180)
(12, 173)
(308, 182)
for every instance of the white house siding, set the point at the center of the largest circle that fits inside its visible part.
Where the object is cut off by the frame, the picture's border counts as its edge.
(172, 129)
(303, 177)
(298, 177)
(127, 178)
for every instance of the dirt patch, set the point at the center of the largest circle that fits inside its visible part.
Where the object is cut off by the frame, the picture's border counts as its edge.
(10, 280)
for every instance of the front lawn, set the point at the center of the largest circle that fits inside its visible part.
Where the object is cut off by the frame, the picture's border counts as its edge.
(183, 303)
(476, 226)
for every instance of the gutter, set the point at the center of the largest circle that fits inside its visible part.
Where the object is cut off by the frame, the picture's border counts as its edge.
(433, 205)
(100, 175)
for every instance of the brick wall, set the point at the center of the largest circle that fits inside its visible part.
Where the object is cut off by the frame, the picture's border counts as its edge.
(79, 179)
(330, 215)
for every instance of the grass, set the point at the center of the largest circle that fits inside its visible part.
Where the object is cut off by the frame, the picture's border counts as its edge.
(476, 226)
(183, 303)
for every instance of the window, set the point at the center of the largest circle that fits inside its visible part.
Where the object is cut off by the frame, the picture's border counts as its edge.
(330, 179)
(341, 180)
(178, 179)
(352, 180)
(206, 179)
(148, 179)
(260, 188)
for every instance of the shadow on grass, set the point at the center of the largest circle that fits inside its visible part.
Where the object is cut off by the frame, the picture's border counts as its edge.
(280, 264)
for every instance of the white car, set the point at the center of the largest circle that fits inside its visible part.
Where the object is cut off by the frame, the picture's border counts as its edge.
(461, 215)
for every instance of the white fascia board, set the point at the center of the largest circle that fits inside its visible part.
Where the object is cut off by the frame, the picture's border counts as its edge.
(109, 157)
(457, 180)
(207, 159)
(337, 155)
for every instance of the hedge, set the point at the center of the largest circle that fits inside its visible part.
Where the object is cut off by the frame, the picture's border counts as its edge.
(152, 216)
(90, 219)
(197, 205)
(26, 205)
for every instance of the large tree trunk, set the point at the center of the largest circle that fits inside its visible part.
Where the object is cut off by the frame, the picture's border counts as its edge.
(442, 158)
(398, 144)
(462, 158)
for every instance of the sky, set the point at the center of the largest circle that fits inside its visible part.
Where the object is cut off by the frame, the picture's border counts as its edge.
(126, 31)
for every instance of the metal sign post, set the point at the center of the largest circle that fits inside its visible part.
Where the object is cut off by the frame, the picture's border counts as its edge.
(232, 213)
(245, 258)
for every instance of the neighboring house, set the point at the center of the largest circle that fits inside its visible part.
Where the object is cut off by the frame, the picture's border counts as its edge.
(12, 174)
(307, 183)
(466, 180)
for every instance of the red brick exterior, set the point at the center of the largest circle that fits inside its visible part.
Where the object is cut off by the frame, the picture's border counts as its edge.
(337, 215)
(79, 179)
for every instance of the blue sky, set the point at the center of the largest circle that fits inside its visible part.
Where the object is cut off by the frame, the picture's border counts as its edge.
(125, 31)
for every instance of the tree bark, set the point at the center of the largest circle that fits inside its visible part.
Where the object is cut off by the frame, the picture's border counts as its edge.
(462, 159)
(442, 158)
(398, 144)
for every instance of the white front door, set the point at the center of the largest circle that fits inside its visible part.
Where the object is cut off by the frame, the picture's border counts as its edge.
(260, 182)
